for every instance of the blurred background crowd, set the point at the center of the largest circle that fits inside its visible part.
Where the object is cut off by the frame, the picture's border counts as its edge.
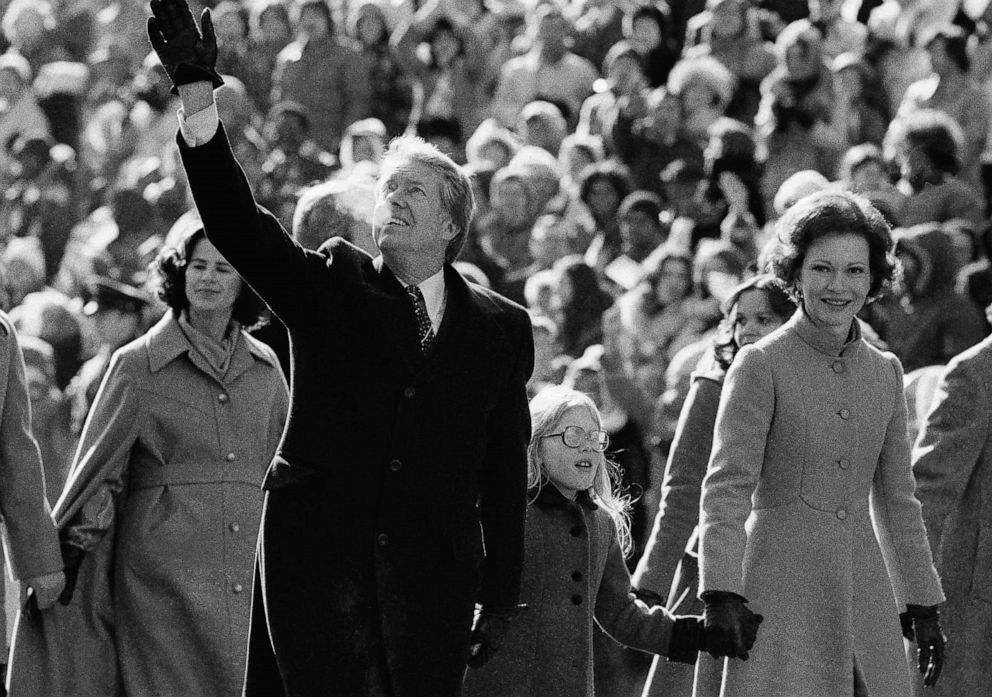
(629, 159)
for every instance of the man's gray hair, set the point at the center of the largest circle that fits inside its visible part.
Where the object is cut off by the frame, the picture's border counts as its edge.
(456, 187)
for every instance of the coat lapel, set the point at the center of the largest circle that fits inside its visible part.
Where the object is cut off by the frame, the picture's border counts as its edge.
(466, 331)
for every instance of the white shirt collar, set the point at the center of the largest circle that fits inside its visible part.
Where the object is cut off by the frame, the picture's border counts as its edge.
(434, 297)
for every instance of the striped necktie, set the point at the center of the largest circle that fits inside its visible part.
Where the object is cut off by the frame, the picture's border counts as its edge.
(426, 332)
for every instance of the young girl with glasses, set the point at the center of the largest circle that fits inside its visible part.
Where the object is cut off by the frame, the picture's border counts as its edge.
(576, 536)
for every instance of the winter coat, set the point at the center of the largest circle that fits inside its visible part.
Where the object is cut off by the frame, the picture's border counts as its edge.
(952, 461)
(402, 471)
(808, 512)
(574, 574)
(164, 495)
(31, 545)
(668, 566)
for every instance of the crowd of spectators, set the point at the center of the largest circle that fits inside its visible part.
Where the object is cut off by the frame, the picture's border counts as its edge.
(630, 158)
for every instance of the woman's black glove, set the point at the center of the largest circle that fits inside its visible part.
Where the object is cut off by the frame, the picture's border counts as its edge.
(72, 559)
(186, 55)
(930, 641)
(731, 628)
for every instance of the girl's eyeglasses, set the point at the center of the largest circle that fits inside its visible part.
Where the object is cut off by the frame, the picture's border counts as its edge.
(575, 436)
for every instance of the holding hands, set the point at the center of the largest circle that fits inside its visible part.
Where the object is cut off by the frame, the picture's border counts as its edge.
(731, 628)
(186, 55)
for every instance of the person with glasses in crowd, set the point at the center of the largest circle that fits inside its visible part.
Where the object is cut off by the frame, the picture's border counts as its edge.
(577, 535)
(407, 437)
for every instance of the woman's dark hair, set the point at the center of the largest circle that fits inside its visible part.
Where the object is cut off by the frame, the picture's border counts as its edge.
(828, 213)
(170, 269)
(582, 314)
(613, 173)
(724, 347)
(955, 44)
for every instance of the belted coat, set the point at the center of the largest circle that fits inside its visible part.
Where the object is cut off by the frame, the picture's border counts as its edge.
(165, 496)
(808, 511)
(402, 469)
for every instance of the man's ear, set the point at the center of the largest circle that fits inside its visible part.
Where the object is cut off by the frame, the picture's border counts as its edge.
(448, 229)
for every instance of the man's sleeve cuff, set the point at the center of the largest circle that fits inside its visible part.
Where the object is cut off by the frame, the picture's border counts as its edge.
(196, 129)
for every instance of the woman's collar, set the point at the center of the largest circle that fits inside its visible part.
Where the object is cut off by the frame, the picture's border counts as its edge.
(822, 339)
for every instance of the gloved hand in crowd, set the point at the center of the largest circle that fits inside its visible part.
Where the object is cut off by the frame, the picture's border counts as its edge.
(186, 55)
(488, 633)
(45, 589)
(731, 628)
(72, 559)
(930, 641)
(688, 639)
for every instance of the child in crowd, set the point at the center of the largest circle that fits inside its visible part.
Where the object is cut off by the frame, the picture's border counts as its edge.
(576, 536)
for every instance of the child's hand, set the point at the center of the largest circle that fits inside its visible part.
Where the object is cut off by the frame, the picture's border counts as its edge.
(688, 639)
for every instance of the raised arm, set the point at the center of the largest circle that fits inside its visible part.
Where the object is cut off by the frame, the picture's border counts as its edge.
(250, 238)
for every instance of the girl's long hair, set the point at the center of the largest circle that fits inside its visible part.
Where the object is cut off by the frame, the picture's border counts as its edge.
(547, 409)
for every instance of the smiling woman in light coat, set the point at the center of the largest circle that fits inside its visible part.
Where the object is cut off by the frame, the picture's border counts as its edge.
(161, 510)
(808, 509)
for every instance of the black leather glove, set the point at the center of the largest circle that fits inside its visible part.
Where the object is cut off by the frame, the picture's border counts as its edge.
(186, 55)
(688, 639)
(488, 633)
(930, 641)
(906, 624)
(72, 559)
(731, 628)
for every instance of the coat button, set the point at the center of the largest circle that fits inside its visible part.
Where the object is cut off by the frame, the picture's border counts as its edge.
(409, 392)
(222, 398)
(841, 514)
(844, 463)
(576, 576)
(234, 527)
(237, 588)
(576, 531)
(838, 367)
(231, 457)
(845, 414)
(383, 539)
(576, 599)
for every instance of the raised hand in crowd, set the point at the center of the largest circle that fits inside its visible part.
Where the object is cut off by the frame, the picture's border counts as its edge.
(187, 55)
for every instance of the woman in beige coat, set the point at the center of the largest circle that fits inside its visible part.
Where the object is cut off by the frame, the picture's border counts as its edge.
(161, 510)
(808, 509)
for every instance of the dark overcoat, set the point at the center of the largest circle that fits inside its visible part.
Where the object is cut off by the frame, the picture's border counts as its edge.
(398, 471)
